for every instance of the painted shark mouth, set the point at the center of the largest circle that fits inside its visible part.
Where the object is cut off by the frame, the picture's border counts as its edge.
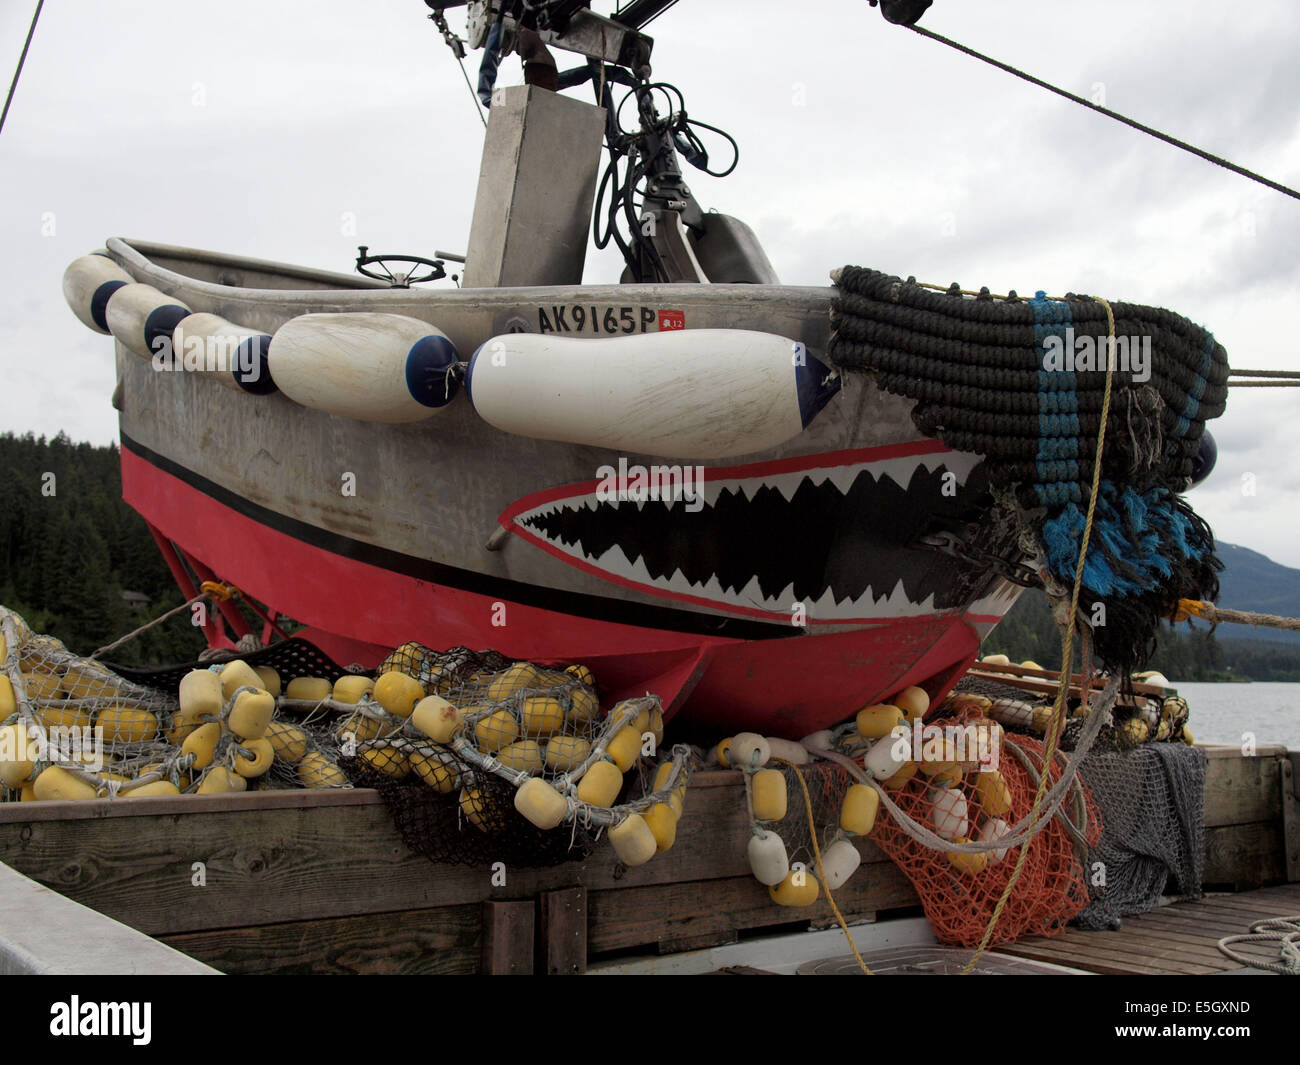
(833, 535)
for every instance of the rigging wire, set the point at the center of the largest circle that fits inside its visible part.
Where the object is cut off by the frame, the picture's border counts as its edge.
(457, 46)
(21, 60)
(666, 7)
(478, 108)
(1133, 123)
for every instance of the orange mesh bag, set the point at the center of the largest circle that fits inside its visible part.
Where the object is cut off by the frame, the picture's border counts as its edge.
(959, 892)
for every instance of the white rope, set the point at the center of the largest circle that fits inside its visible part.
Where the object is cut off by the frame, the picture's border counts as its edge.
(1284, 931)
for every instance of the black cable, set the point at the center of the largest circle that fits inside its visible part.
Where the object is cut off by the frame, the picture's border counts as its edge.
(1132, 123)
(21, 60)
(735, 148)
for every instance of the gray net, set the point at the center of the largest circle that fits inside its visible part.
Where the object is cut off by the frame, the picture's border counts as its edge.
(1152, 802)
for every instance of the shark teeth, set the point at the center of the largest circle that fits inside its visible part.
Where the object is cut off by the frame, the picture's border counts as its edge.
(827, 607)
(892, 604)
(899, 470)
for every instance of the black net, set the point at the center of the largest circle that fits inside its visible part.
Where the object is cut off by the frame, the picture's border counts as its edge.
(440, 827)
(290, 658)
(454, 800)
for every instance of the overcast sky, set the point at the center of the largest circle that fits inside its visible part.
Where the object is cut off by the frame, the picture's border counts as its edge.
(252, 127)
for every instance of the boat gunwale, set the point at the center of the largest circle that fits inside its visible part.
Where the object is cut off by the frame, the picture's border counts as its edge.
(135, 257)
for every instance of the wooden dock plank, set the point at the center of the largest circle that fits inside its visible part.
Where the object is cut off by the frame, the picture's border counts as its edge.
(1152, 942)
(445, 940)
(1199, 922)
(1179, 938)
(1248, 902)
(562, 930)
(1191, 955)
(509, 929)
(1101, 961)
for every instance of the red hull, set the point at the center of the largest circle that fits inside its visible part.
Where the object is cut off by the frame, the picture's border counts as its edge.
(357, 609)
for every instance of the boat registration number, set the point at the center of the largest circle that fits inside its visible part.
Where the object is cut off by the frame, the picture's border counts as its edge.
(579, 318)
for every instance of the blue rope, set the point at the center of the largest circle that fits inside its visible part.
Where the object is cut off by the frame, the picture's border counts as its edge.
(1058, 411)
(1138, 539)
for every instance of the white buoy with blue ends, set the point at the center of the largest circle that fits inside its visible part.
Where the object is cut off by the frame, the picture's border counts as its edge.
(143, 319)
(88, 283)
(232, 354)
(366, 365)
(692, 393)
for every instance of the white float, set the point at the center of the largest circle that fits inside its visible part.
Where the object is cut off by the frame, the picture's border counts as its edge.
(366, 365)
(768, 860)
(88, 282)
(209, 345)
(142, 319)
(692, 393)
(889, 753)
(839, 862)
(948, 812)
(991, 832)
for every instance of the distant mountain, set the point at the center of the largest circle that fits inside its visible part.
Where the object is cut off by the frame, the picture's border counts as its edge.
(1251, 581)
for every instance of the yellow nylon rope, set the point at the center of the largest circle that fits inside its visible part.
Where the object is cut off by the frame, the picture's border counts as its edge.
(821, 873)
(1056, 724)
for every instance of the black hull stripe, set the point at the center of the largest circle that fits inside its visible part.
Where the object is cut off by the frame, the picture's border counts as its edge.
(578, 604)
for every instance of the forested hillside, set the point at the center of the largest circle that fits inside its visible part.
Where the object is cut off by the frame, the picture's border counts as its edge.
(69, 547)
(1182, 654)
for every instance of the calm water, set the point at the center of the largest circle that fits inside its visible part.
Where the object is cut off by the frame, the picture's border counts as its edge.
(1222, 712)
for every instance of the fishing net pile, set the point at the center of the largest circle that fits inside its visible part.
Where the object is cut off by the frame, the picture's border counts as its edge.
(480, 759)
(949, 795)
(956, 797)
(1021, 382)
(971, 782)
(75, 729)
(1148, 784)
(484, 760)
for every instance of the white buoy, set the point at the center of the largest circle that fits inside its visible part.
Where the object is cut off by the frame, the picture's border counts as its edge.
(948, 812)
(767, 857)
(889, 753)
(990, 833)
(749, 751)
(818, 741)
(366, 365)
(142, 319)
(233, 354)
(788, 750)
(88, 282)
(839, 862)
(703, 393)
